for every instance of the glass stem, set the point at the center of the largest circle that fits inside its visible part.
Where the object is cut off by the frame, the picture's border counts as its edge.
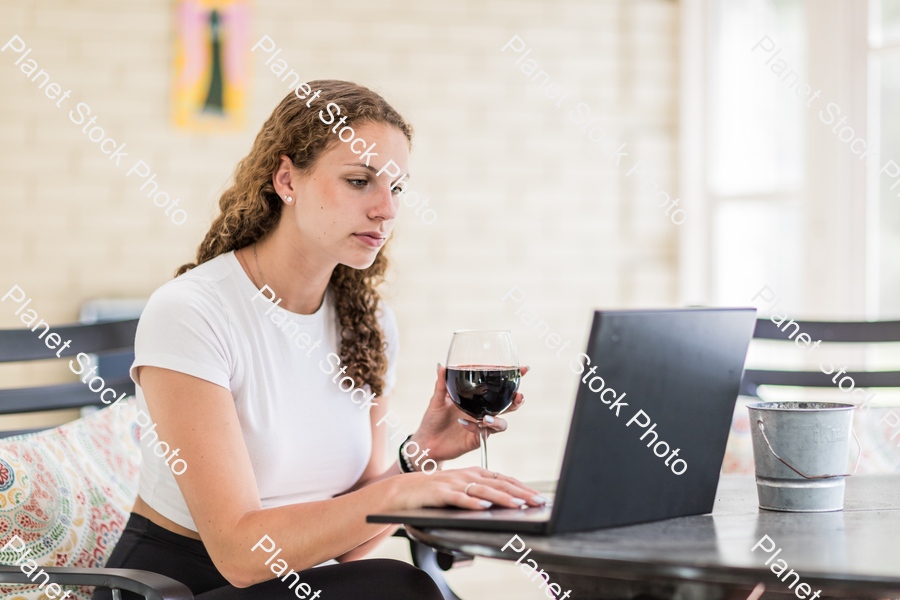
(483, 434)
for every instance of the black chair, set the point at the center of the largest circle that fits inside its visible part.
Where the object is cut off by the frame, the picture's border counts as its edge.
(434, 562)
(18, 345)
(827, 331)
(112, 339)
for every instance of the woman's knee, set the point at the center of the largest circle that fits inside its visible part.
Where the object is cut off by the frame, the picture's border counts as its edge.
(403, 579)
(375, 579)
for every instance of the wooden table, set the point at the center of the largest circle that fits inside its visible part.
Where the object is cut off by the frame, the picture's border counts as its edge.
(854, 553)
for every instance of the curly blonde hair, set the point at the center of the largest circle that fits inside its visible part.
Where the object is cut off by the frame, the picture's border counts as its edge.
(251, 208)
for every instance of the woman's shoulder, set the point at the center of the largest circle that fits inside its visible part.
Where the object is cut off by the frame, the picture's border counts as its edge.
(386, 319)
(388, 323)
(187, 327)
(200, 288)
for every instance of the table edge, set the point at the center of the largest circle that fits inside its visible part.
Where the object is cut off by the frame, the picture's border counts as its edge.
(632, 570)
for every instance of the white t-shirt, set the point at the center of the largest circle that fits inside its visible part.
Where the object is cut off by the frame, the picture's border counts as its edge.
(307, 440)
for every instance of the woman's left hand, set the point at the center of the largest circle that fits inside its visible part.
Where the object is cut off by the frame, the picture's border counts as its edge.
(447, 432)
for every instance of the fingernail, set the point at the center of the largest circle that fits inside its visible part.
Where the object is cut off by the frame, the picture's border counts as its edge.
(438, 370)
(463, 422)
(484, 503)
(539, 499)
(488, 419)
(518, 501)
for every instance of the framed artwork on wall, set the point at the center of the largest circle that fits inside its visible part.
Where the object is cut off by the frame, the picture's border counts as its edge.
(211, 69)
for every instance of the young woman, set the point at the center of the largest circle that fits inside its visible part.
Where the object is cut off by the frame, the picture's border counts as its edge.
(277, 453)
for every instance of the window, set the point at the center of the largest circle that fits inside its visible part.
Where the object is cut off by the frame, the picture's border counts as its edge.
(756, 150)
(884, 131)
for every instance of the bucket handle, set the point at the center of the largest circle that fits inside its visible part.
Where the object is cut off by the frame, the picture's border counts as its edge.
(762, 429)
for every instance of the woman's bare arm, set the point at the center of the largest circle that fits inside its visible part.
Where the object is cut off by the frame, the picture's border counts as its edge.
(376, 470)
(381, 465)
(218, 486)
(200, 418)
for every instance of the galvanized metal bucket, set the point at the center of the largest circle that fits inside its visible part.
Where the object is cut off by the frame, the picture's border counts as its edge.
(800, 450)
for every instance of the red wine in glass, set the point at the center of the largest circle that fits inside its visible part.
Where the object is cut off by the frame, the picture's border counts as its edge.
(482, 376)
(480, 390)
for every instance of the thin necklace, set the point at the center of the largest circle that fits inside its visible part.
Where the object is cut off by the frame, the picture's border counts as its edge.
(256, 258)
(243, 260)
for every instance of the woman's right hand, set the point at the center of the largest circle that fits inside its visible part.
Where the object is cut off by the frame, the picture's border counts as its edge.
(448, 488)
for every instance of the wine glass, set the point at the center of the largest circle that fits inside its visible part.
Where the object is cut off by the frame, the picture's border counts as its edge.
(482, 376)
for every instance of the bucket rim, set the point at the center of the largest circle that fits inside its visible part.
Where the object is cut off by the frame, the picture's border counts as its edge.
(831, 406)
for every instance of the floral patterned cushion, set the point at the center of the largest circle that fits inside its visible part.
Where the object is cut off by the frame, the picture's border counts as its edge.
(879, 453)
(67, 492)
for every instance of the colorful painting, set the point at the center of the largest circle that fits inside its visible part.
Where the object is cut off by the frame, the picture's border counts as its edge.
(211, 73)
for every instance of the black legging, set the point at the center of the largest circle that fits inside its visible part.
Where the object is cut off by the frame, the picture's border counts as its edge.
(149, 547)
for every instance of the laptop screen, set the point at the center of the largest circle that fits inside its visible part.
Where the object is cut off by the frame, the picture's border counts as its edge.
(656, 395)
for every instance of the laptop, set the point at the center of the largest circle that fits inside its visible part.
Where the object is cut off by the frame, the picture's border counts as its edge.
(652, 414)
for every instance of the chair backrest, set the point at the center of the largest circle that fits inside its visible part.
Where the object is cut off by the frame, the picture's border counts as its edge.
(827, 331)
(874, 426)
(17, 345)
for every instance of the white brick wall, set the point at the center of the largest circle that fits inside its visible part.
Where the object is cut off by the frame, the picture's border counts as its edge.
(523, 197)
